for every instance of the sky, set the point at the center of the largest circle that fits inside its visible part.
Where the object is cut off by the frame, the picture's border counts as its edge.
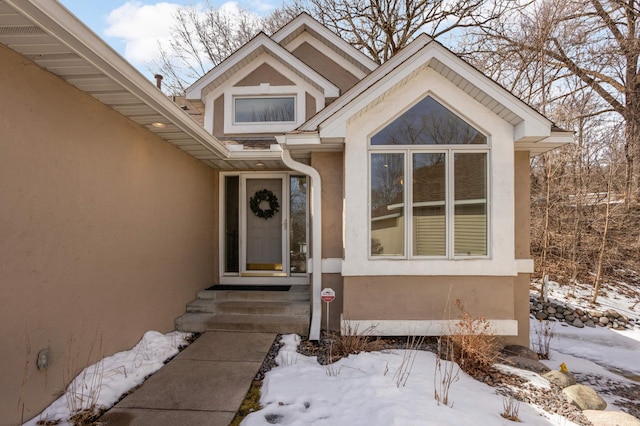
(134, 28)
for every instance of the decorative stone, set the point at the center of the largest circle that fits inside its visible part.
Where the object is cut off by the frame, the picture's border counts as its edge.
(612, 313)
(608, 418)
(579, 312)
(584, 397)
(559, 315)
(560, 379)
(603, 320)
(551, 310)
(570, 318)
(589, 323)
(596, 314)
(521, 351)
(577, 323)
(542, 315)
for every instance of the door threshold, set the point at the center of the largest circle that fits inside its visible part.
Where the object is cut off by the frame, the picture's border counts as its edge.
(264, 280)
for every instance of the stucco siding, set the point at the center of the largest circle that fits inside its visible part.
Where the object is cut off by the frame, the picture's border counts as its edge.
(265, 73)
(106, 231)
(427, 298)
(330, 167)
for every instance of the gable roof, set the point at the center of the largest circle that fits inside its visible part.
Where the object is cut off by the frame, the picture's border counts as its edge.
(250, 51)
(531, 127)
(304, 22)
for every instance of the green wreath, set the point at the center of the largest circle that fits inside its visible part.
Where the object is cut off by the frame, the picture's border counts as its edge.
(258, 198)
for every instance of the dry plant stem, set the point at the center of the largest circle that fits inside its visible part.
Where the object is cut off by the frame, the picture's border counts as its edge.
(444, 375)
(23, 386)
(543, 335)
(83, 392)
(511, 408)
(408, 359)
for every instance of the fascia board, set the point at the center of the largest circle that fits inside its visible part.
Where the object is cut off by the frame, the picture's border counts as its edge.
(61, 24)
(262, 41)
(330, 112)
(533, 124)
(306, 20)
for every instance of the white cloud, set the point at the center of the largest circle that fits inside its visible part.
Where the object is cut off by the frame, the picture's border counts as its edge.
(141, 27)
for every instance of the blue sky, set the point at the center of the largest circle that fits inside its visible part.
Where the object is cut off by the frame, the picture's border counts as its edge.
(135, 27)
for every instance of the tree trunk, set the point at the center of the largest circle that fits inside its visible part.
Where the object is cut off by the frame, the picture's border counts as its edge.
(603, 243)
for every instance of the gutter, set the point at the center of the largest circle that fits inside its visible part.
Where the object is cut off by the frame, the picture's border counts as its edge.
(316, 236)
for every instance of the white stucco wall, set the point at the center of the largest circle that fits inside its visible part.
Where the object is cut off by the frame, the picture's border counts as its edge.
(501, 260)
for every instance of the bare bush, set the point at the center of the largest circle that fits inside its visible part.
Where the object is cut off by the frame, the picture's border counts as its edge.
(540, 341)
(475, 347)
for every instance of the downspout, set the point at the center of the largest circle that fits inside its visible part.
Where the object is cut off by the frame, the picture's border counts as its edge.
(316, 239)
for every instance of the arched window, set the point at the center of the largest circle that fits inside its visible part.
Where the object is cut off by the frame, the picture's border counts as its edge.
(436, 163)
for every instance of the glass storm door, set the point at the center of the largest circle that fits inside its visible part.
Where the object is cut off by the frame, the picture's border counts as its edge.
(265, 226)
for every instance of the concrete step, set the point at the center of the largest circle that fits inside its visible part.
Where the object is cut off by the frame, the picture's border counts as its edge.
(201, 322)
(249, 307)
(295, 293)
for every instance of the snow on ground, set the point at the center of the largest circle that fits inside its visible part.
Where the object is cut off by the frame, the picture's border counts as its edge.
(363, 389)
(106, 381)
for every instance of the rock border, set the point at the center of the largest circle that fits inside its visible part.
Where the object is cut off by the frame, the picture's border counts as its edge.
(579, 317)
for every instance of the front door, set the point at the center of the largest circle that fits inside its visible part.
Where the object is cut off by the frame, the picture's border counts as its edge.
(263, 228)
(265, 222)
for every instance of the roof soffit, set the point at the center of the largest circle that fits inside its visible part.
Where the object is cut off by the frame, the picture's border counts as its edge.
(48, 34)
(244, 56)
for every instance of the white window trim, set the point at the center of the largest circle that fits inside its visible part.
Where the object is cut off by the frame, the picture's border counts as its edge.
(253, 123)
(450, 150)
(264, 90)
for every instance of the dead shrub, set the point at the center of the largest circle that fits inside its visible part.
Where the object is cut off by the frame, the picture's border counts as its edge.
(352, 342)
(475, 347)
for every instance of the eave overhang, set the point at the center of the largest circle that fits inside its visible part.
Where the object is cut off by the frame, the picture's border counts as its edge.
(531, 129)
(49, 35)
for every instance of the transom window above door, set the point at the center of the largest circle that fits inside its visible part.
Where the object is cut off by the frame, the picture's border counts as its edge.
(428, 186)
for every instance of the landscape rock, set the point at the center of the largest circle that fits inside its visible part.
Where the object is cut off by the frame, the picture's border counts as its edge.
(610, 418)
(555, 311)
(584, 397)
(521, 351)
(560, 379)
(527, 364)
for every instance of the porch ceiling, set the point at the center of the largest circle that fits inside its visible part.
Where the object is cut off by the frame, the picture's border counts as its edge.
(48, 34)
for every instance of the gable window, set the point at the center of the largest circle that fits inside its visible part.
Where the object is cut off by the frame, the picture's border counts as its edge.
(264, 109)
(428, 186)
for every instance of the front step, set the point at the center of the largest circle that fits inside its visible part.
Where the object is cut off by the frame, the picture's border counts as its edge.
(259, 311)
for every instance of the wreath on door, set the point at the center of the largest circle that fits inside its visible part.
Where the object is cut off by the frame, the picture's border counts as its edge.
(258, 198)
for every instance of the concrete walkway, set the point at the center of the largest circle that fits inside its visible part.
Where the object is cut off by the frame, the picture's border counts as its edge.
(204, 385)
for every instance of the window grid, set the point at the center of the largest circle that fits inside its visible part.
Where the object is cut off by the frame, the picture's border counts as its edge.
(450, 201)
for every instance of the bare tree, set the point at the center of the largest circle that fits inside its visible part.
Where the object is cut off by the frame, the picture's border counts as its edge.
(200, 39)
(381, 28)
(595, 42)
